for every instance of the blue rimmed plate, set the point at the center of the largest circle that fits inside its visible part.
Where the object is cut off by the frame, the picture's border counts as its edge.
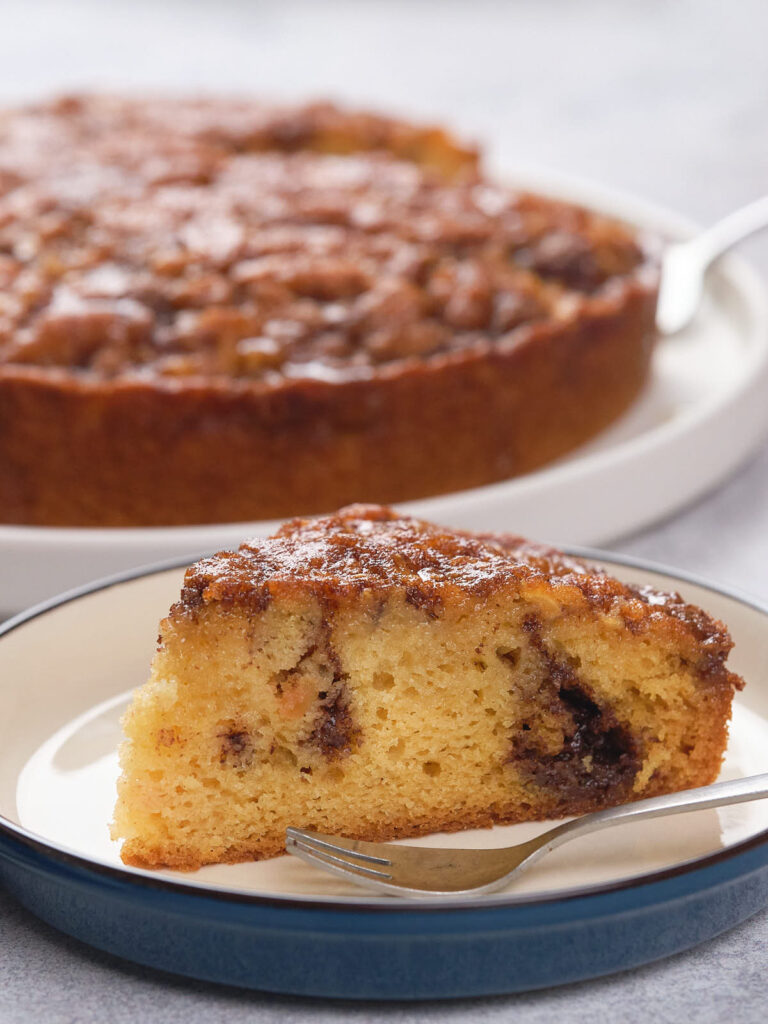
(601, 904)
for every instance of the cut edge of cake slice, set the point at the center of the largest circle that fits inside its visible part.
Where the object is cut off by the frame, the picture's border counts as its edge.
(378, 677)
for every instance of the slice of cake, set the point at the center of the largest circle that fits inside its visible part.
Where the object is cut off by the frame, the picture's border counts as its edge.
(377, 677)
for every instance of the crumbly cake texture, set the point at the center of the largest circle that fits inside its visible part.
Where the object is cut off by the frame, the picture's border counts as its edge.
(195, 295)
(378, 677)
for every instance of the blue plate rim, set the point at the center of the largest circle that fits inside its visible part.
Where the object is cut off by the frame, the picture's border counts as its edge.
(351, 904)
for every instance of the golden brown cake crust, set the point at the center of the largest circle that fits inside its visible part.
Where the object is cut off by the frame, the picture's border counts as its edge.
(369, 550)
(196, 295)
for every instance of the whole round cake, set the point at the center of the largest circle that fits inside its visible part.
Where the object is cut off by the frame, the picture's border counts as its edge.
(220, 310)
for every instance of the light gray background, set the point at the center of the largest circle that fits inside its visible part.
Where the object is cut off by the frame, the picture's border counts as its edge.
(667, 99)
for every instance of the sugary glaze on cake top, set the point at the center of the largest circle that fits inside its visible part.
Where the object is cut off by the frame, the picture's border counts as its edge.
(177, 239)
(365, 553)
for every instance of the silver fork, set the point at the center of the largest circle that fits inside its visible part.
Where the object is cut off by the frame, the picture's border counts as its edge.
(423, 871)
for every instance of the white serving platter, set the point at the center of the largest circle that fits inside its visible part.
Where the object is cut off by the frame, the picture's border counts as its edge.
(702, 414)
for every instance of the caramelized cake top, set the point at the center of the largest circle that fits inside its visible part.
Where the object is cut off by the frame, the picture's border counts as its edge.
(366, 552)
(228, 239)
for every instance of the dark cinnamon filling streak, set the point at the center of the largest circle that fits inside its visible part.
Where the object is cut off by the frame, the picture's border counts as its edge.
(598, 751)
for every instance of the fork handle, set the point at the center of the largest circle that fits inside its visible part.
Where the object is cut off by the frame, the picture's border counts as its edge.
(714, 241)
(754, 787)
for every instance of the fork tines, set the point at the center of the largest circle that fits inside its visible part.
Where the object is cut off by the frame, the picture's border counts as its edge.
(334, 854)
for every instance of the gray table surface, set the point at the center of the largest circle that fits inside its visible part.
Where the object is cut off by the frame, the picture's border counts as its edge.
(667, 99)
